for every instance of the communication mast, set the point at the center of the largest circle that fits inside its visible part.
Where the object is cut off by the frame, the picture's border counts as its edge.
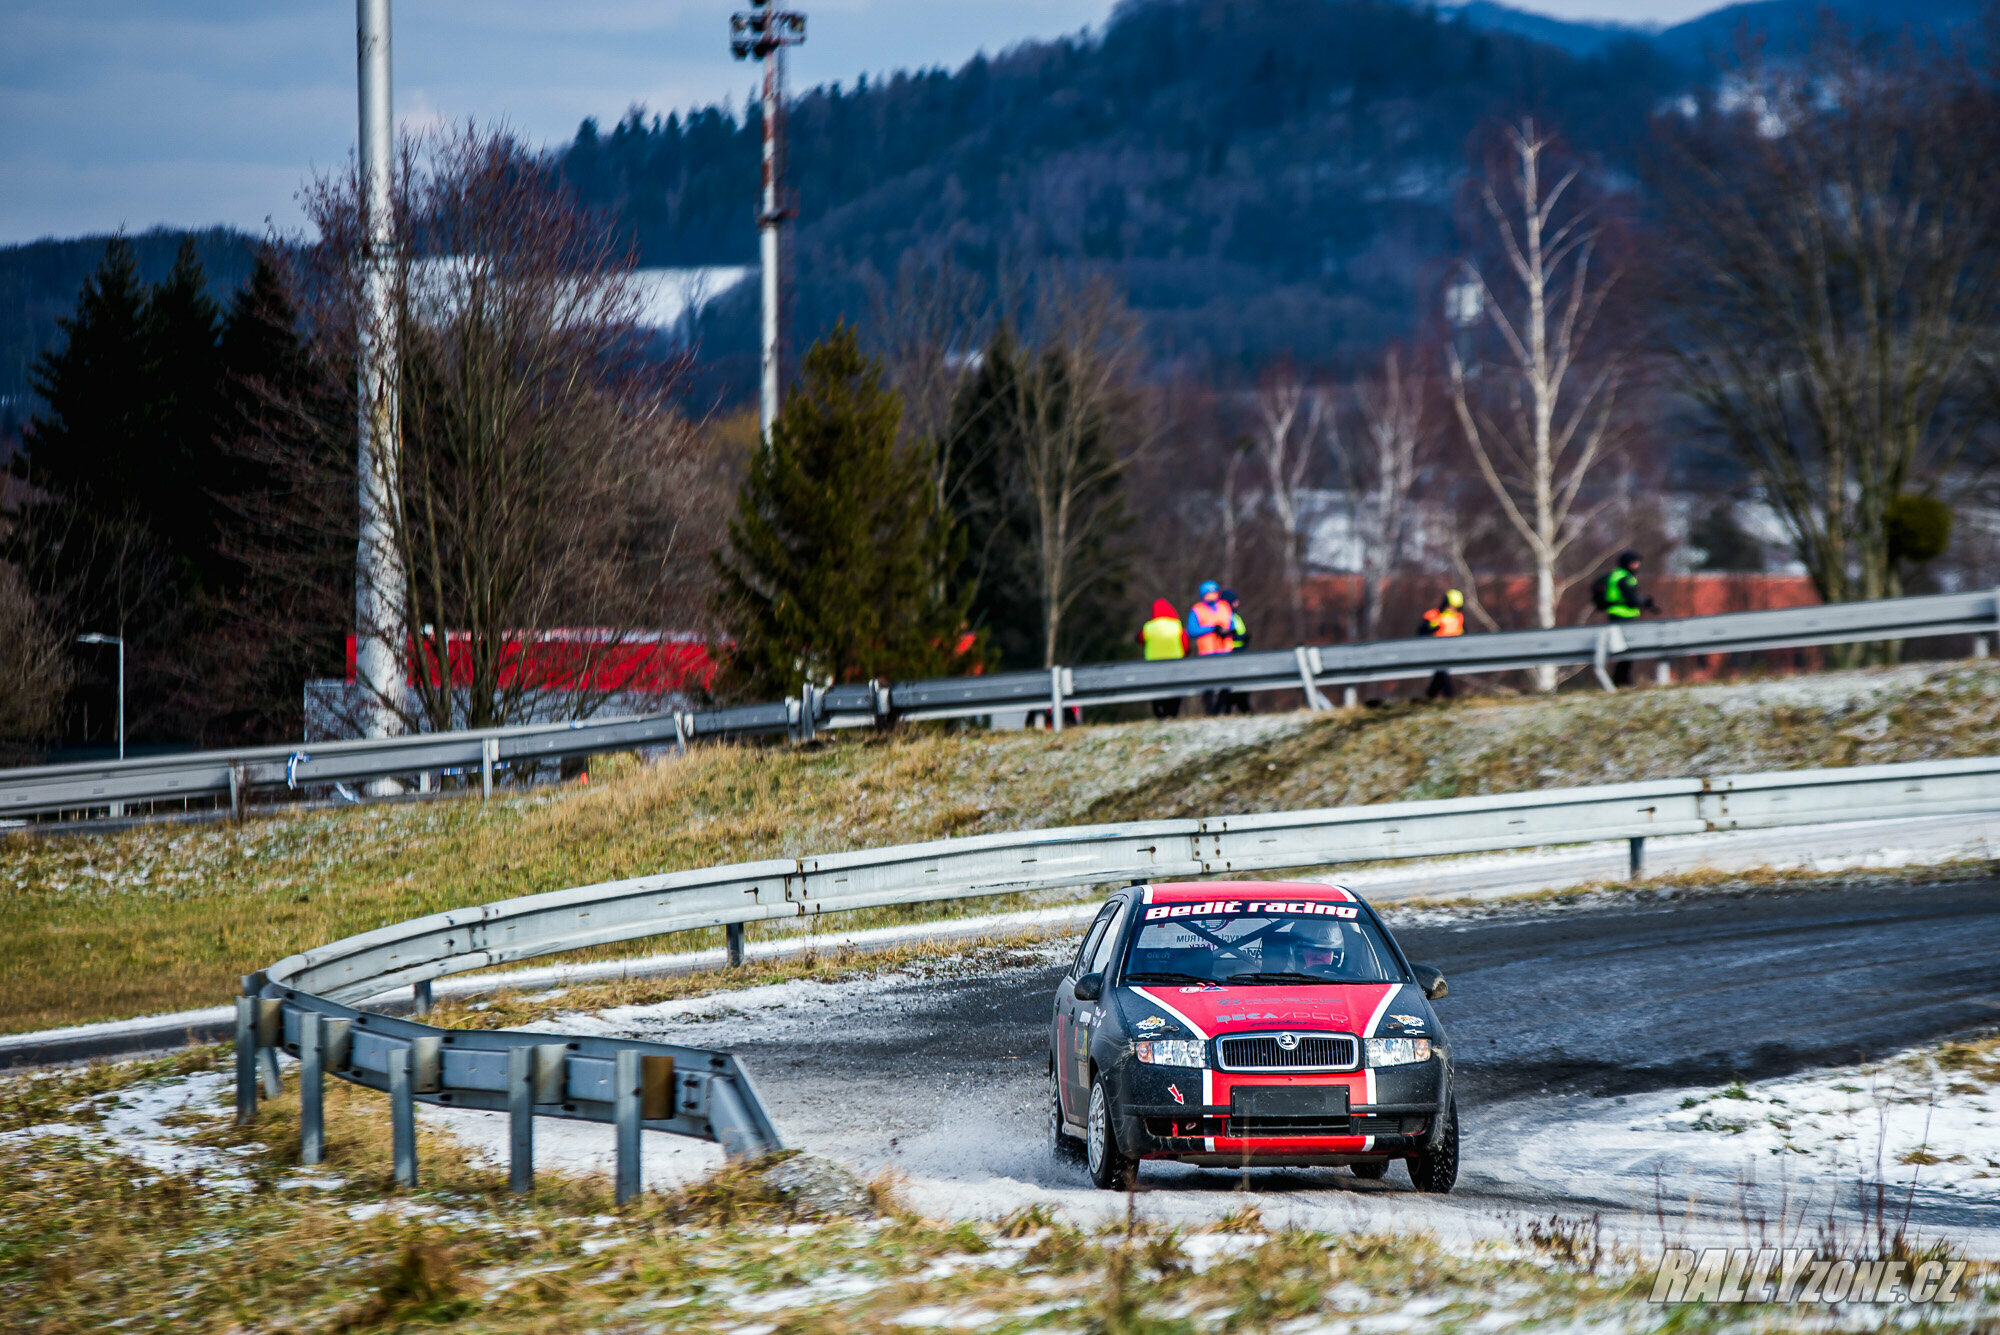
(763, 33)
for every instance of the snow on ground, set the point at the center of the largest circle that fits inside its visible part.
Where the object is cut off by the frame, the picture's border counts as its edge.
(1907, 1123)
(153, 1122)
(1841, 1149)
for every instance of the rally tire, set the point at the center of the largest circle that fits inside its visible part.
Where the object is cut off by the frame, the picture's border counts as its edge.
(1435, 1168)
(1066, 1148)
(1371, 1170)
(1109, 1168)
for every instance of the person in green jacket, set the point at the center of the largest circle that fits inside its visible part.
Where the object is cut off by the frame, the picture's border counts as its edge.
(1620, 600)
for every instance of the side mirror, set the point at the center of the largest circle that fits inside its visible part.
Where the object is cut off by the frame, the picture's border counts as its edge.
(1430, 980)
(1089, 987)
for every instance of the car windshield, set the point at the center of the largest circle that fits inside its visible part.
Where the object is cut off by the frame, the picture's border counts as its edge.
(1252, 943)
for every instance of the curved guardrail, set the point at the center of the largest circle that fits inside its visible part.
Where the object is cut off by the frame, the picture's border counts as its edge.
(310, 1004)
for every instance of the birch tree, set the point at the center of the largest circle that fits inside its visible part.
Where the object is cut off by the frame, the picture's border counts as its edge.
(1291, 418)
(1380, 467)
(1538, 417)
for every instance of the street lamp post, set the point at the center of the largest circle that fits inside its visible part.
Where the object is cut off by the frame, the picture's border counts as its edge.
(94, 638)
(764, 32)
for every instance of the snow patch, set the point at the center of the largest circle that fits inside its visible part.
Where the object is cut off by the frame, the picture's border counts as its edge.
(153, 1123)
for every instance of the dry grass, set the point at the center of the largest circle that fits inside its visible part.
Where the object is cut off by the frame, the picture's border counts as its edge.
(165, 918)
(92, 1238)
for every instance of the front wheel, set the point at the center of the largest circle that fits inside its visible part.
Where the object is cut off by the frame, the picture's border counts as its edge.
(1061, 1142)
(1109, 1168)
(1434, 1169)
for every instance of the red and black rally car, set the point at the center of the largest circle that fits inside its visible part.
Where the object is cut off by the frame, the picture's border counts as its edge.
(1249, 1023)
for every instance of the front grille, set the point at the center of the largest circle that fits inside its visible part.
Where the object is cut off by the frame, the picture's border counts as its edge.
(1263, 1052)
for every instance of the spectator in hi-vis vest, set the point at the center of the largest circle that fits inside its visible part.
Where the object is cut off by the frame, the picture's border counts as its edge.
(1165, 637)
(1617, 596)
(1444, 621)
(1211, 625)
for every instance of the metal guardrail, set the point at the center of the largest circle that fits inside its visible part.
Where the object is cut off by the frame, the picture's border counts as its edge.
(308, 1004)
(233, 774)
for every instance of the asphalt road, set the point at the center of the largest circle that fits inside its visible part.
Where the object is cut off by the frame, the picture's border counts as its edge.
(1683, 991)
(1558, 1018)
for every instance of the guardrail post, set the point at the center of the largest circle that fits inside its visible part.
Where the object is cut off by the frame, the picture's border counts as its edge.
(402, 1117)
(729, 1121)
(680, 735)
(420, 997)
(312, 1089)
(1055, 699)
(625, 1111)
(1980, 647)
(270, 1033)
(1314, 700)
(489, 751)
(236, 792)
(732, 944)
(520, 1119)
(246, 1060)
(1350, 697)
(1663, 673)
(1638, 857)
(807, 708)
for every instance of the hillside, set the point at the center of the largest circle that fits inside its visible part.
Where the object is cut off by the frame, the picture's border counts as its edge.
(1263, 175)
(1266, 177)
(164, 918)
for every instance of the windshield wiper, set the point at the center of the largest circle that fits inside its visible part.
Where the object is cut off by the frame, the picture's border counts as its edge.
(1279, 978)
(1167, 978)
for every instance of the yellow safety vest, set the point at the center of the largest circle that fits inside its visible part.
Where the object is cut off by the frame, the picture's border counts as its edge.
(1163, 637)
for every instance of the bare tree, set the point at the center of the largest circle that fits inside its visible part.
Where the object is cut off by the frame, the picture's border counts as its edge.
(1839, 265)
(1539, 417)
(1079, 430)
(1232, 510)
(541, 480)
(35, 671)
(1291, 418)
(1380, 468)
(928, 329)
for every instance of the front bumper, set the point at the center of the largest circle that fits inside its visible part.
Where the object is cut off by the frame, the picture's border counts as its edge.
(1174, 1131)
(1159, 1114)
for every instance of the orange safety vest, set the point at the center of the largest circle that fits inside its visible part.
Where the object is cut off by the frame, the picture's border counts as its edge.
(1217, 620)
(1445, 621)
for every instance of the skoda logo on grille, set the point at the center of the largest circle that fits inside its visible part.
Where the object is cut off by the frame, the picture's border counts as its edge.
(1288, 1041)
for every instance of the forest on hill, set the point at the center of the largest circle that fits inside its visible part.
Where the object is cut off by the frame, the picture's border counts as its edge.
(1262, 177)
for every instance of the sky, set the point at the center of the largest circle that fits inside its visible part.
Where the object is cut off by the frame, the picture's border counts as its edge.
(135, 113)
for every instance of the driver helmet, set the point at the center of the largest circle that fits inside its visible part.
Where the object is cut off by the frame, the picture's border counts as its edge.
(1318, 946)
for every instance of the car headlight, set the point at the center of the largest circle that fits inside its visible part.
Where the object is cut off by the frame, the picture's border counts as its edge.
(1171, 1051)
(1398, 1051)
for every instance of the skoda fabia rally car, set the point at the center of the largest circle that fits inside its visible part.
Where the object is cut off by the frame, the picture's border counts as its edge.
(1249, 1023)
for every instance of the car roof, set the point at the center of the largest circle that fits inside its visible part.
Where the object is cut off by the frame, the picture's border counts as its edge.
(1194, 892)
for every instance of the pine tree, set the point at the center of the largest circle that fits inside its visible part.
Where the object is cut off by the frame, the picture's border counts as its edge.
(121, 530)
(94, 385)
(181, 464)
(838, 566)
